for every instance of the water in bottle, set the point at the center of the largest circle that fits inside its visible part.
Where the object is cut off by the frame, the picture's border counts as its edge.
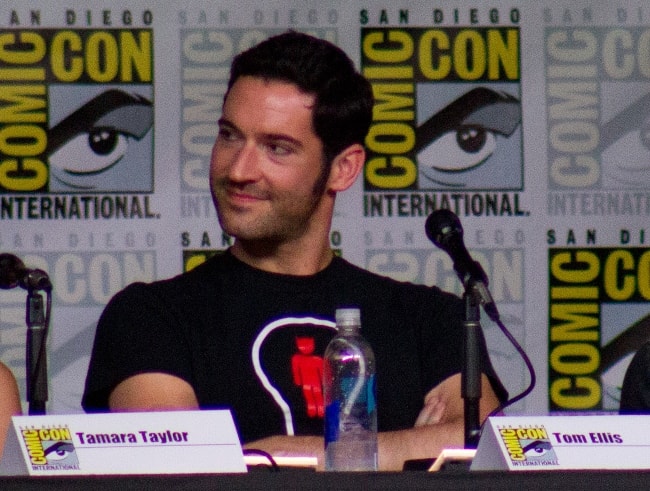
(350, 398)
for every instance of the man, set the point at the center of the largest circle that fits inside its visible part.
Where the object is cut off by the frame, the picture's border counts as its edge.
(635, 392)
(290, 138)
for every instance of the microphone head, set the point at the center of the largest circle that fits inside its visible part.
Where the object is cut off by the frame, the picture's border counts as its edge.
(12, 271)
(36, 279)
(442, 226)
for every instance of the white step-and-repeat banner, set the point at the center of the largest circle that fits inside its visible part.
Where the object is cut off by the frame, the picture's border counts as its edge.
(530, 120)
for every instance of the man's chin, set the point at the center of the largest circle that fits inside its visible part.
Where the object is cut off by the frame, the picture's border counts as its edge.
(243, 234)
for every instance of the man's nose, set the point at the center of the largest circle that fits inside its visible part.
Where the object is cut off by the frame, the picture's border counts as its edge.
(245, 163)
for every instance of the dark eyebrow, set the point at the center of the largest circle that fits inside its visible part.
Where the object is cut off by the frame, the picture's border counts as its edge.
(223, 121)
(275, 137)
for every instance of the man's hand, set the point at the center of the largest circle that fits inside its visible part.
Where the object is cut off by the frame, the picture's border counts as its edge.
(440, 425)
(431, 412)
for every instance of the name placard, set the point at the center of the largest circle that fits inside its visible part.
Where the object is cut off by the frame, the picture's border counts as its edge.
(532, 443)
(170, 442)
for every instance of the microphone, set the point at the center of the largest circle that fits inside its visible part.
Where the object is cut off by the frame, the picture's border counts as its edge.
(13, 273)
(443, 228)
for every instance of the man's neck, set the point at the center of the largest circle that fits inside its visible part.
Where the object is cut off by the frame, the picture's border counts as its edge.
(283, 259)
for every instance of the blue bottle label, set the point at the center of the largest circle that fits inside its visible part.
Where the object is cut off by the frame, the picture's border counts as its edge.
(332, 422)
(371, 394)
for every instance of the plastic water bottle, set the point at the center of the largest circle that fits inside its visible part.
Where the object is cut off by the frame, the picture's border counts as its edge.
(350, 398)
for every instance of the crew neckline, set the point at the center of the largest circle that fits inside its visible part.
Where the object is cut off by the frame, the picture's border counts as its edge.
(323, 273)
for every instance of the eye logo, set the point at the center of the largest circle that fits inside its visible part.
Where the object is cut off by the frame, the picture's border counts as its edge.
(463, 136)
(101, 146)
(50, 448)
(537, 448)
(59, 451)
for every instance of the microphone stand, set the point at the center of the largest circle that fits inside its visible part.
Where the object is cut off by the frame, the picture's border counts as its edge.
(36, 357)
(471, 374)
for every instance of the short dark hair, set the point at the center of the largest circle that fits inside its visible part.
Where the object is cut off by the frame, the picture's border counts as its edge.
(343, 97)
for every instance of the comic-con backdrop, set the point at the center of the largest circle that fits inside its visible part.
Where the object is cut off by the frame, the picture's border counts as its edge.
(530, 120)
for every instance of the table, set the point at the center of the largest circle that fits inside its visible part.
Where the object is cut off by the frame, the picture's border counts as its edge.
(289, 478)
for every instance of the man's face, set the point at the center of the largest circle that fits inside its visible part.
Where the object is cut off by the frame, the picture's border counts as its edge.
(266, 162)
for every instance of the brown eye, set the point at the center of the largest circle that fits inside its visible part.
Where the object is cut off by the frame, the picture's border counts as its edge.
(279, 150)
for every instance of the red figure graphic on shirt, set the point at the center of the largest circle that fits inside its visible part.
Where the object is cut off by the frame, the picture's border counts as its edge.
(307, 370)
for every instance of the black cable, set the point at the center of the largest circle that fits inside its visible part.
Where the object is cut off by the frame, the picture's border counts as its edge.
(255, 451)
(529, 365)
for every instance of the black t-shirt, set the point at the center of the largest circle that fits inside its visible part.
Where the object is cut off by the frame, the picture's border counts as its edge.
(253, 341)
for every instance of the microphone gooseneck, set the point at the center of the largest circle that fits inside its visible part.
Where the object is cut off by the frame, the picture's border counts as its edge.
(13, 273)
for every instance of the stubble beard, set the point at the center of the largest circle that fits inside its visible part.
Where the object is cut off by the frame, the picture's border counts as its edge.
(285, 219)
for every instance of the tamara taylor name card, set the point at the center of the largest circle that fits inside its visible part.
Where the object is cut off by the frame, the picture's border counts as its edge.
(171, 442)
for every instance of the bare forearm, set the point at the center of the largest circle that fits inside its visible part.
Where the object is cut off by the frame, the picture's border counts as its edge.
(395, 447)
(422, 442)
(291, 446)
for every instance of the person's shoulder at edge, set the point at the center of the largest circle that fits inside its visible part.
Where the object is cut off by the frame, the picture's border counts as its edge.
(9, 402)
(635, 390)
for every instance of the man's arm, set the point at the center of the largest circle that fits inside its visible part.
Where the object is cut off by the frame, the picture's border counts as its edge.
(443, 428)
(441, 424)
(153, 392)
(9, 402)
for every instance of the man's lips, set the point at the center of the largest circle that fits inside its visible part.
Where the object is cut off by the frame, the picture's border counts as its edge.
(241, 197)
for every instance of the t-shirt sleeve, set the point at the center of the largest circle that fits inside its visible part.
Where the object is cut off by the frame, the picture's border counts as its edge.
(136, 333)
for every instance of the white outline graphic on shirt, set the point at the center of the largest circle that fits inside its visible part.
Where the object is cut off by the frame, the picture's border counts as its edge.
(255, 355)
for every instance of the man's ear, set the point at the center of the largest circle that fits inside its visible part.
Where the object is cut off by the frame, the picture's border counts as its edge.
(346, 167)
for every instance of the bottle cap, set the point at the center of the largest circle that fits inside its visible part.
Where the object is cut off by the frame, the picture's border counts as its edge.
(348, 316)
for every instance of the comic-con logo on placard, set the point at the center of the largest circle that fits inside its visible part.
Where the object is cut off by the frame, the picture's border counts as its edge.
(446, 122)
(528, 446)
(50, 448)
(77, 118)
